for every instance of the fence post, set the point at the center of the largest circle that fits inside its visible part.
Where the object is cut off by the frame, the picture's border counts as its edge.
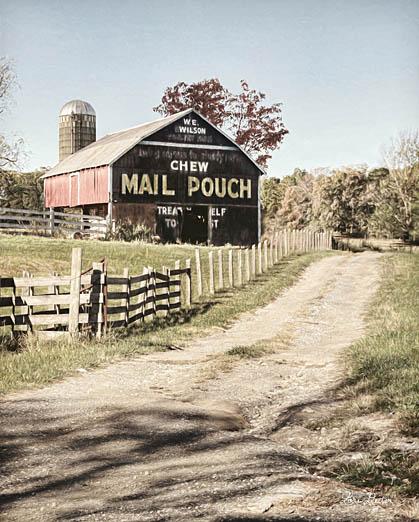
(247, 264)
(188, 293)
(276, 257)
(51, 221)
(96, 309)
(230, 269)
(260, 267)
(178, 287)
(25, 311)
(265, 255)
(73, 320)
(253, 261)
(211, 272)
(220, 269)
(239, 268)
(198, 273)
(166, 290)
(271, 252)
(126, 290)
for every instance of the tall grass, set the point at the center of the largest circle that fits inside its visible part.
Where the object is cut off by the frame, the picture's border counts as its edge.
(386, 361)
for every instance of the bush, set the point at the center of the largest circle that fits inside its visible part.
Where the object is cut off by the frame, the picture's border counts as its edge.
(126, 230)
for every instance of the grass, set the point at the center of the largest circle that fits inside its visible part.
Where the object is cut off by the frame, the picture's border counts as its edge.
(384, 376)
(395, 471)
(385, 363)
(226, 361)
(35, 363)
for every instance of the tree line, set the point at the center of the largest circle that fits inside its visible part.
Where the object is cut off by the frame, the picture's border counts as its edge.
(355, 200)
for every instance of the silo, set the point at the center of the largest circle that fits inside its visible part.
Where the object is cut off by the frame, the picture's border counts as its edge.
(77, 127)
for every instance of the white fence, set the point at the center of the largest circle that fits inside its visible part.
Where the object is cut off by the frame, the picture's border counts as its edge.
(48, 222)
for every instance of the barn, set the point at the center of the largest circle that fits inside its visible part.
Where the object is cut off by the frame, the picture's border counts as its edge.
(179, 175)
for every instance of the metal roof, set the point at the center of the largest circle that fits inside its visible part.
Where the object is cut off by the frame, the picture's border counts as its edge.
(112, 146)
(77, 107)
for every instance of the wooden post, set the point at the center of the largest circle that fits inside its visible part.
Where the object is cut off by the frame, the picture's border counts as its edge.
(163, 290)
(178, 287)
(211, 272)
(126, 290)
(73, 323)
(247, 264)
(153, 289)
(253, 261)
(230, 269)
(265, 255)
(239, 268)
(220, 269)
(143, 296)
(51, 221)
(271, 252)
(198, 273)
(96, 309)
(276, 256)
(25, 311)
(280, 246)
(260, 265)
(188, 289)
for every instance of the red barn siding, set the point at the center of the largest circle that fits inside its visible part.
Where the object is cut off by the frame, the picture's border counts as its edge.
(93, 186)
(56, 191)
(86, 187)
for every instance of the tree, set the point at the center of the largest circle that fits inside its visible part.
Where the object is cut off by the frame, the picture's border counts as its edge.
(9, 152)
(341, 202)
(256, 127)
(22, 189)
(296, 207)
(398, 192)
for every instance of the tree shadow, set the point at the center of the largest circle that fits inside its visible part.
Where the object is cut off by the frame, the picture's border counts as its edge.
(177, 455)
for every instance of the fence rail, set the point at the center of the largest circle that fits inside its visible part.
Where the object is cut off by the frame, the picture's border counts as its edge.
(49, 222)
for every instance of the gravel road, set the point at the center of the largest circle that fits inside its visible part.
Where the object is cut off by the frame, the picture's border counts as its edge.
(162, 437)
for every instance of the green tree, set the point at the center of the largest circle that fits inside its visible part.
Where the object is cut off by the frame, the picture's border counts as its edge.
(22, 189)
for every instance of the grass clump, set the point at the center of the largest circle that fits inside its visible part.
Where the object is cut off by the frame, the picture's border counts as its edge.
(386, 361)
(388, 471)
(248, 352)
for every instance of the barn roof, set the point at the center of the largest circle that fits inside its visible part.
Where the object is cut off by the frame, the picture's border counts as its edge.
(111, 147)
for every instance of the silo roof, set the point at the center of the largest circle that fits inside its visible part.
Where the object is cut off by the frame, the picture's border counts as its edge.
(111, 147)
(77, 107)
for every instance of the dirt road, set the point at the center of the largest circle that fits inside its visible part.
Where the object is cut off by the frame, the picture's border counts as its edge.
(173, 436)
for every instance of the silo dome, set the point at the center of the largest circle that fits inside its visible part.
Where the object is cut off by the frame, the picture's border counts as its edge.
(77, 107)
(77, 127)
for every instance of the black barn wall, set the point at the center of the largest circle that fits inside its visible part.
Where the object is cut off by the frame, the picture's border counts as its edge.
(153, 172)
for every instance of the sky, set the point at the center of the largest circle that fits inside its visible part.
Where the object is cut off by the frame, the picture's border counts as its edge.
(346, 72)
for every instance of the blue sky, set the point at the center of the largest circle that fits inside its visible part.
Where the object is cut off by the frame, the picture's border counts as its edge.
(347, 72)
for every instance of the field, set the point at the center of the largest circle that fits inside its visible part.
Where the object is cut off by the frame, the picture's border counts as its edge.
(36, 363)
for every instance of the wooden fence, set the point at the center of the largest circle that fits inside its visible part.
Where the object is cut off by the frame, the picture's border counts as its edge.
(93, 300)
(236, 266)
(48, 222)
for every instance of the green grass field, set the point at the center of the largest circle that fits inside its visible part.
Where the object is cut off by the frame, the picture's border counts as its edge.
(36, 363)
(386, 361)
